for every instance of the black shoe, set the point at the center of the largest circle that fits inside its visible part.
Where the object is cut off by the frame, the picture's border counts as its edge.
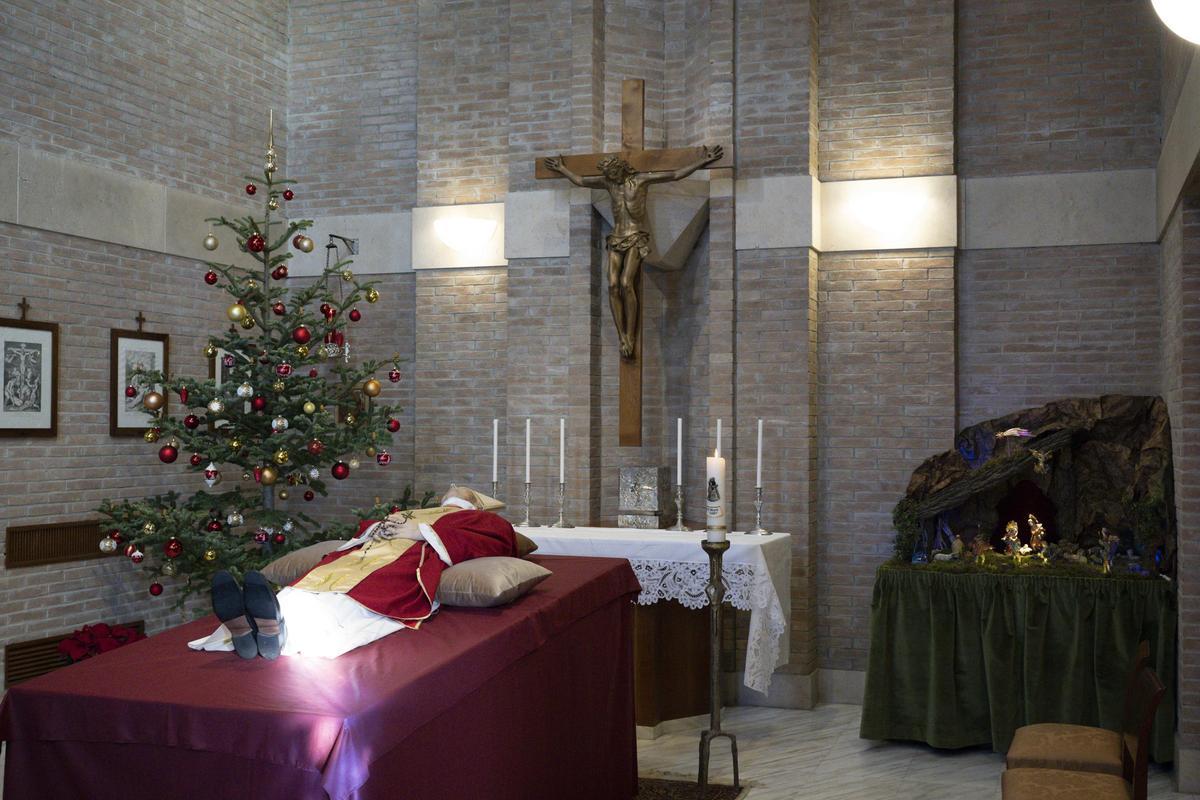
(263, 612)
(229, 606)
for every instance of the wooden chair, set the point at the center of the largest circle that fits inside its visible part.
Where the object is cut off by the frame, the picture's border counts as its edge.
(1081, 748)
(1033, 783)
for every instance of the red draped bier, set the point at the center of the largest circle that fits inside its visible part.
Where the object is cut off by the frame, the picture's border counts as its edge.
(404, 589)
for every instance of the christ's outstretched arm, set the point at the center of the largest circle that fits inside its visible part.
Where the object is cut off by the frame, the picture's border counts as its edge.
(555, 164)
(711, 154)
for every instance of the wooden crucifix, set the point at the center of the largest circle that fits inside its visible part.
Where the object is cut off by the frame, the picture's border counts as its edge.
(627, 176)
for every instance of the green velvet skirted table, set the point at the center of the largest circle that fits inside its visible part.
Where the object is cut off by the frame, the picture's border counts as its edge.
(964, 659)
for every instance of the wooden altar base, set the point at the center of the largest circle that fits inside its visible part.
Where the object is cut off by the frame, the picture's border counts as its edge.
(670, 662)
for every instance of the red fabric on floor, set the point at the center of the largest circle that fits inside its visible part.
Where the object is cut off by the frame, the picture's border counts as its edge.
(458, 702)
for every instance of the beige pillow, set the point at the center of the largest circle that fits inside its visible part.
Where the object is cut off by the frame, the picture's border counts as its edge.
(478, 499)
(487, 582)
(288, 568)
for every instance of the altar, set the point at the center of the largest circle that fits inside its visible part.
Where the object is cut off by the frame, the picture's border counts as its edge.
(670, 565)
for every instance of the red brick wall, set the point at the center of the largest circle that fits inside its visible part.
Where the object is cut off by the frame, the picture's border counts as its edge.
(1040, 324)
(172, 92)
(352, 105)
(1059, 86)
(885, 403)
(886, 88)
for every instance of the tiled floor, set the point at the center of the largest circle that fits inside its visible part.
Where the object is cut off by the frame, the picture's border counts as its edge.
(817, 755)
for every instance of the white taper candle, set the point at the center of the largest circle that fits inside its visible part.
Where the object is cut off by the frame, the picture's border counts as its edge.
(562, 450)
(495, 450)
(679, 451)
(758, 468)
(527, 451)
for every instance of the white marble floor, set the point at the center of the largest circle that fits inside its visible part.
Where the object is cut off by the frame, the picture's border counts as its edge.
(817, 755)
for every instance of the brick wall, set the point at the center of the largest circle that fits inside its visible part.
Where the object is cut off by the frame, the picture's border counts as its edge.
(776, 381)
(462, 101)
(352, 105)
(172, 92)
(886, 88)
(1040, 324)
(634, 47)
(885, 403)
(88, 288)
(1060, 86)
(459, 378)
(773, 88)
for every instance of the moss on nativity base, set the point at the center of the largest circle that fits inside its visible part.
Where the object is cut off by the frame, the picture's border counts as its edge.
(1001, 564)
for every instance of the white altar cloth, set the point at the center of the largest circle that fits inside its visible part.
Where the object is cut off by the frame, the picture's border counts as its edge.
(671, 565)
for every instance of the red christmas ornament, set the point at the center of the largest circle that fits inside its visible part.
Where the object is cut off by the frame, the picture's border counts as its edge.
(196, 459)
(281, 272)
(258, 474)
(279, 308)
(312, 373)
(283, 370)
(309, 494)
(393, 425)
(168, 453)
(130, 549)
(259, 403)
(172, 548)
(394, 376)
(340, 470)
(131, 391)
(213, 525)
(383, 458)
(296, 240)
(301, 335)
(183, 394)
(137, 556)
(116, 537)
(211, 278)
(325, 309)
(191, 422)
(288, 194)
(279, 538)
(316, 447)
(156, 587)
(251, 189)
(261, 536)
(256, 243)
(355, 315)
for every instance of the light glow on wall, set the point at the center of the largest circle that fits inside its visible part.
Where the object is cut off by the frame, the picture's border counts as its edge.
(1181, 16)
(889, 214)
(464, 234)
(458, 236)
(890, 210)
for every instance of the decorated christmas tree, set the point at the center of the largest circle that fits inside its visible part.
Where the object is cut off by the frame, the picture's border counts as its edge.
(285, 411)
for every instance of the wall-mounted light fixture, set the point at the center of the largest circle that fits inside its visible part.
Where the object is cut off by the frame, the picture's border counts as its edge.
(1181, 16)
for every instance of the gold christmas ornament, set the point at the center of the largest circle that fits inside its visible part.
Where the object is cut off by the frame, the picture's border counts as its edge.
(235, 443)
(282, 457)
(372, 388)
(170, 569)
(283, 494)
(278, 386)
(310, 407)
(236, 312)
(372, 295)
(148, 528)
(270, 167)
(210, 555)
(269, 476)
(305, 245)
(211, 242)
(153, 401)
(248, 322)
(371, 452)
(210, 350)
(350, 418)
(151, 435)
(347, 275)
(302, 351)
(273, 204)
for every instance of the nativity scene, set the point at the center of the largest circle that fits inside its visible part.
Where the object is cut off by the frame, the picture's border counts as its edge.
(623, 400)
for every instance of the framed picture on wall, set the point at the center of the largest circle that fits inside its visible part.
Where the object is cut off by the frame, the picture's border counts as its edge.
(130, 351)
(28, 378)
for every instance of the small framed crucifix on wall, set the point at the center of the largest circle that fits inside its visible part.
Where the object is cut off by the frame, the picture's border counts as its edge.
(129, 352)
(28, 378)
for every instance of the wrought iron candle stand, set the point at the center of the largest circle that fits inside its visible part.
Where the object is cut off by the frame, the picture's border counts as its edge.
(759, 530)
(525, 523)
(562, 508)
(679, 526)
(716, 596)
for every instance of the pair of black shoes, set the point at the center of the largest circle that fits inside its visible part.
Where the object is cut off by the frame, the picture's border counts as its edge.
(251, 613)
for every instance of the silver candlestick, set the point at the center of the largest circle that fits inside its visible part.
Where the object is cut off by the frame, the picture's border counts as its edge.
(525, 523)
(562, 508)
(679, 526)
(759, 530)
(496, 489)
